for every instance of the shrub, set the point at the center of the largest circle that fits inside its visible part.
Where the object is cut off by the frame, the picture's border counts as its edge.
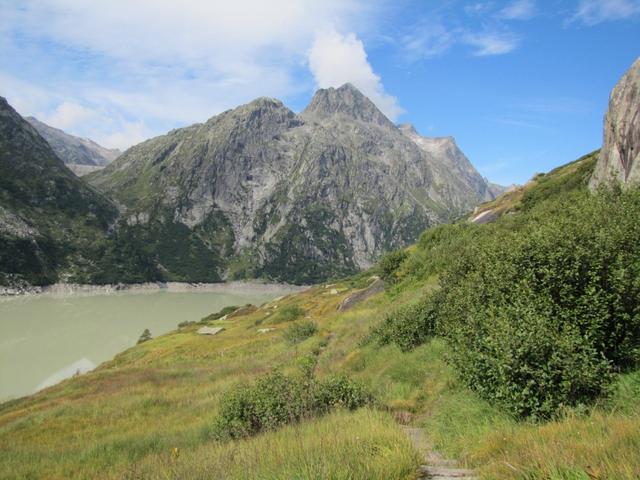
(539, 318)
(146, 336)
(300, 331)
(220, 314)
(539, 308)
(390, 263)
(277, 400)
(407, 326)
(287, 314)
(186, 323)
(340, 392)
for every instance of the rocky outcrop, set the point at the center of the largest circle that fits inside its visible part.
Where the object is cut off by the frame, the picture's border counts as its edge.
(619, 160)
(298, 198)
(74, 150)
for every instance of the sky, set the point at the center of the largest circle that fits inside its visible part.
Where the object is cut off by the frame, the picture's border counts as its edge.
(522, 85)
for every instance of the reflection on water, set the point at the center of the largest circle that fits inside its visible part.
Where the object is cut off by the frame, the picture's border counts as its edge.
(44, 339)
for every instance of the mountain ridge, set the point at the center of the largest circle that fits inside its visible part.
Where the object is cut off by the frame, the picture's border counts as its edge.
(73, 150)
(297, 197)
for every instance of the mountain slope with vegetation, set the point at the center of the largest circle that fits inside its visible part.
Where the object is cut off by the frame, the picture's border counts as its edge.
(259, 191)
(161, 409)
(49, 218)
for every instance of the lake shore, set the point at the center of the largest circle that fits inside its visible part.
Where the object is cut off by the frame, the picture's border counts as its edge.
(66, 289)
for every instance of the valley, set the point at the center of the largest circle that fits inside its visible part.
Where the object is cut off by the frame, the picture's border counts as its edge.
(237, 288)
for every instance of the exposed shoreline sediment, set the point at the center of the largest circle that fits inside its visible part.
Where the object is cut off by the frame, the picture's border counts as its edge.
(65, 289)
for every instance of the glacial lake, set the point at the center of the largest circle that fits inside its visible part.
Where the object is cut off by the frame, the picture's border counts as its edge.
(46, 338)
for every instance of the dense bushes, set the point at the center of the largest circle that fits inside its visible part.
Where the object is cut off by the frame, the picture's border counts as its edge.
(540, 309)
(287, 313)
(407, 326)
(390, 263)
(300, 331)
(537, 318)
(278, 399)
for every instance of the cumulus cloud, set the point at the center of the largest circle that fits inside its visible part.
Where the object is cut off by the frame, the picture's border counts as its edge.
(159, 62)
(335, 59)
(593, 12)
(69, 114)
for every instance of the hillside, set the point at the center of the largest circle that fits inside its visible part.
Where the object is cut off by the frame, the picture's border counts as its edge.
(259, 191)
(74, 151)
(48, 217)
(155, 411)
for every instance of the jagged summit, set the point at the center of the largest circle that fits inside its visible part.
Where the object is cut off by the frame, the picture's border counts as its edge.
(407, 128)
(259, 191)
(261, 113)
(346, 100)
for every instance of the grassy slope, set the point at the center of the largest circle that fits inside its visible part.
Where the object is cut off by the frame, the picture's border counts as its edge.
(125, 418)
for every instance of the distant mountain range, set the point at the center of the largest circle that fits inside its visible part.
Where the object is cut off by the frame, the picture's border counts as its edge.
(255, 192)
(79, 154)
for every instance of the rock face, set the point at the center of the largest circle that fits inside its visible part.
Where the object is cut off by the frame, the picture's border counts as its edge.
(619, 160)
(259, 191)
(74, 150)
(46, 212)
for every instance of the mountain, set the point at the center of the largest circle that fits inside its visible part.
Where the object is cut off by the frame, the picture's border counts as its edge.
(259, 191)
(619, 160)
(48, 216)
(74, 151)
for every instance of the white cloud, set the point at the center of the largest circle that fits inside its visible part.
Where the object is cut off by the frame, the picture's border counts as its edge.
(69, 114)
(335, 59)
(130, 133)
(492, 43)
(593, 12)
(427, 40)
(158, 63)
(518, 10)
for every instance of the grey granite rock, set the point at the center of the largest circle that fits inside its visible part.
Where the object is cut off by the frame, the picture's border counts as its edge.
(302, 197)
(619, 160)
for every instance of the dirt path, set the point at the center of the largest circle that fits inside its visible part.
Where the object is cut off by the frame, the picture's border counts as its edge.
(435, 465)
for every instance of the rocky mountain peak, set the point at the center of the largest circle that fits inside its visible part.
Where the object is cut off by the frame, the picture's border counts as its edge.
(261, 113)
(619, 160)
(408, 129)
(346, 100)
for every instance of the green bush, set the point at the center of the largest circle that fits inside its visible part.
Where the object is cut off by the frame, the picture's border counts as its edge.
(540, 308)
(276, 400)
(407, 326)
(300, 331)
(389, 264)
(220, 314)
(340, 392)
(287, 313)
(539, 317)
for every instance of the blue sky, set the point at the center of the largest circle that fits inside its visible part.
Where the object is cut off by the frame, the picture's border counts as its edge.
(521, 84)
